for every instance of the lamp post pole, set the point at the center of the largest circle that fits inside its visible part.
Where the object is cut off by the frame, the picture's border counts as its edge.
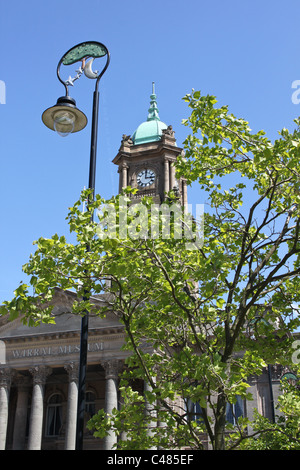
(85, 318)
(65, 118)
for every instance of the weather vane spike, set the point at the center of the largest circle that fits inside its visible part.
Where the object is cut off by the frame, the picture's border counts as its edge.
(153, 110)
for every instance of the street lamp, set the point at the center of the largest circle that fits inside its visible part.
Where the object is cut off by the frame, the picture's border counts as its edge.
(65, 118)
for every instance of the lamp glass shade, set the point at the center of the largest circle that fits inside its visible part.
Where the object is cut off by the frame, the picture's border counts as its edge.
(64, 122)
(64, 117)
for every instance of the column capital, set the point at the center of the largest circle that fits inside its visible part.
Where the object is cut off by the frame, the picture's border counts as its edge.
(112, 368)
(40, 374)
(72, 369)
(6, 376)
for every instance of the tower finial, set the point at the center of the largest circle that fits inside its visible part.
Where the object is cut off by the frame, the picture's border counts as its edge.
(153, 110)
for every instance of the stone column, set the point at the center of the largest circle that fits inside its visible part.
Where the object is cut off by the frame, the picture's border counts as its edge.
(184, 195)
(70, 441)
(21, 414)
(150, 411)
(167, 175)
(124, 175)
(40, 374)
(120, 178)
(5, 382)
(112, 369)
(172, 176)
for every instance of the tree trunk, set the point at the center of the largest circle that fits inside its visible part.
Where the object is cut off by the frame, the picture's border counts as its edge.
(220, 423)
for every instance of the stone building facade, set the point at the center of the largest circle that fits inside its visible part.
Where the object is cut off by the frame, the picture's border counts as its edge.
(39, 379)
(39, 366)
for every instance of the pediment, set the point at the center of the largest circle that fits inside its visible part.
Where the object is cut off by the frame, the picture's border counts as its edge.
(65, 321)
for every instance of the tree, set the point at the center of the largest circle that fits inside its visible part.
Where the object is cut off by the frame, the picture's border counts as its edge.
(200, 314)
(285, 433)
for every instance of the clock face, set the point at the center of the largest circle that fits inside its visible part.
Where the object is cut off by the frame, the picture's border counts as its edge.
(145, 178)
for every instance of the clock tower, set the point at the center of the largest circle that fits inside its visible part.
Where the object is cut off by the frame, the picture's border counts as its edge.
(145, 159)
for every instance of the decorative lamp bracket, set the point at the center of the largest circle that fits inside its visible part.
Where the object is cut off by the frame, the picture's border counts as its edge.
(86, 53)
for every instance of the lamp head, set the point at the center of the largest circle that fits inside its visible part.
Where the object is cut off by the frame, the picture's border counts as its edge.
(64, 117)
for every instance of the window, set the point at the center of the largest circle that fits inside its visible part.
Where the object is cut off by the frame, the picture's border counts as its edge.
(194, 411)
(234, 410)
(54, 415)
(90, 406)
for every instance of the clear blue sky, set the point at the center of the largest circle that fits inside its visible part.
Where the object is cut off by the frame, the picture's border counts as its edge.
(247, 53)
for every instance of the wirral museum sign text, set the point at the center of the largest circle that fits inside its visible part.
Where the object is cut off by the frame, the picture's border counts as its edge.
(53, 350)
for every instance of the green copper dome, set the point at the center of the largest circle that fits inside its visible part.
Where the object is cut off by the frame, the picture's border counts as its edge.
(150, 130)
